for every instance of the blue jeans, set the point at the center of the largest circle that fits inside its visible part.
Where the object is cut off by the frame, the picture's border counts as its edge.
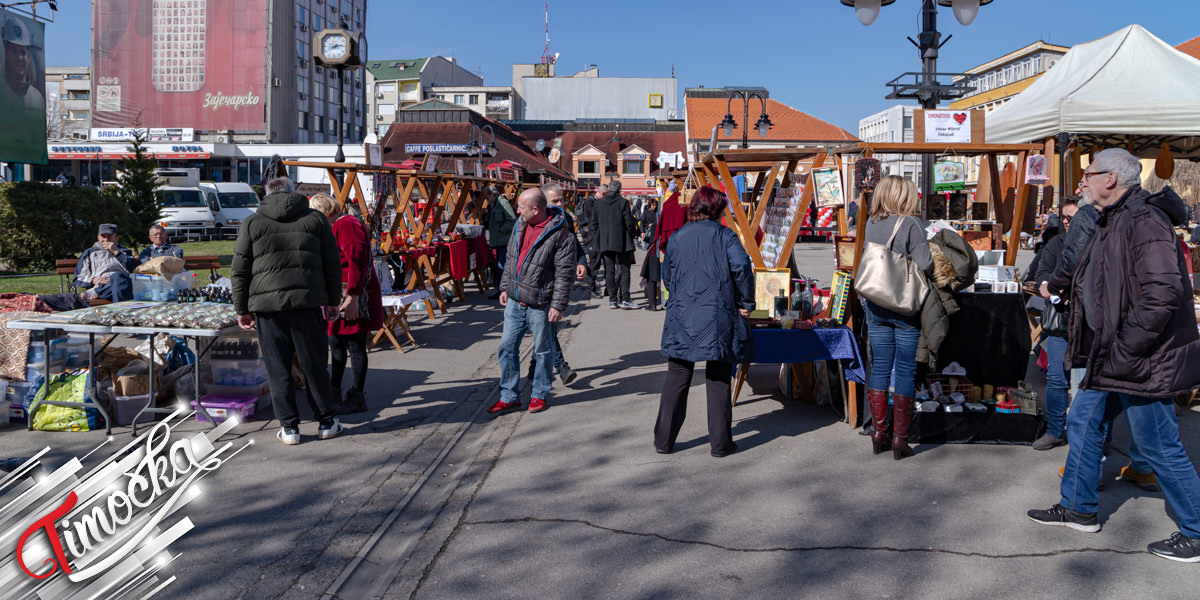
(118, 289)
(517, 320)
(894, 339)
(1057, 384)
(1155, 431)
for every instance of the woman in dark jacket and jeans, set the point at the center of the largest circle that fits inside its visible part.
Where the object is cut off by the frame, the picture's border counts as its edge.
(894, 337)
(1058, 380)
(712, 292)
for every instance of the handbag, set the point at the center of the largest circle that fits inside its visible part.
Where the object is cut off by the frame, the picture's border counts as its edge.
(1054, 319)
(889, 279)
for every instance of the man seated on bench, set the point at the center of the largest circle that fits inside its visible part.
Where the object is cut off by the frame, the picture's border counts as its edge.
(105, 267)
(159, 246)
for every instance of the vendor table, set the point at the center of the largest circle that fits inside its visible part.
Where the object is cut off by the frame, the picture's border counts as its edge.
(189, 335)
(790, 346)
(989, 336)
(395, 308)
(62, 321)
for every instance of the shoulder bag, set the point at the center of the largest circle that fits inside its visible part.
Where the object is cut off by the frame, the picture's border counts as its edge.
(890, 279)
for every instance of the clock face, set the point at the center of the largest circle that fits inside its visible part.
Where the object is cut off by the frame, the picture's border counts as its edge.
(333, 47)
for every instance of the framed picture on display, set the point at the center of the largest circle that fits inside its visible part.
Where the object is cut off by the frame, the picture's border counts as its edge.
(767, 283)
(829, 187)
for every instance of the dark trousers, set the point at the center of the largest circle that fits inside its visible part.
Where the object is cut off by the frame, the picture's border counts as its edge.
(501, 255)
(118, 289)
(354, 344)
(616, 276)
(593, 258)
(672, 405)
(300, 333)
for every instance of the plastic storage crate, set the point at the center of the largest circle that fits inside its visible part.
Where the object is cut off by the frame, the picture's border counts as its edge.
(219, 408)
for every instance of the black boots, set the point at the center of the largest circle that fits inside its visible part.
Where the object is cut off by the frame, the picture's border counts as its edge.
(881, 438)
(902, 411)
(355, 403)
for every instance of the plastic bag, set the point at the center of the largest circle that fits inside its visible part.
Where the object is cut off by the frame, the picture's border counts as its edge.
(162, 347)
(72, 386)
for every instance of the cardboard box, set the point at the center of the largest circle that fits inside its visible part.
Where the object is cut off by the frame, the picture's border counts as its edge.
(138, 385)
(997, 273)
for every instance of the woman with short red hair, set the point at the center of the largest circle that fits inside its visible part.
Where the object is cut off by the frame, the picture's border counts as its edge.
(711, 281)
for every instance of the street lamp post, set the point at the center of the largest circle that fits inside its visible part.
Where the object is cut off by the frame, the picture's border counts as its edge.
(924, 86)
(476, 145)
(728, 125)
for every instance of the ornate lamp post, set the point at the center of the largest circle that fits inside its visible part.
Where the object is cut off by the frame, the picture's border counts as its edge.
(728, 125)
(924, 86)
(476, 145)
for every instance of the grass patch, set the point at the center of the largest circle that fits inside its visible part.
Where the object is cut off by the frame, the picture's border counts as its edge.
(48, 283)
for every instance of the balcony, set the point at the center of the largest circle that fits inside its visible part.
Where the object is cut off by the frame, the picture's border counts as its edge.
(413, 96)
(498, 105)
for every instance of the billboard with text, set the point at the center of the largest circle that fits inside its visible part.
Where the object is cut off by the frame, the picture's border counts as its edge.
(22, 90)
(180, 63)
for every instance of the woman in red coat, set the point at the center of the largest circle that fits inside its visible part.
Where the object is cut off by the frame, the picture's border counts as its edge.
(348, 334)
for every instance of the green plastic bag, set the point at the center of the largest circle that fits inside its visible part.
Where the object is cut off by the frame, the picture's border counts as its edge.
(71, 386)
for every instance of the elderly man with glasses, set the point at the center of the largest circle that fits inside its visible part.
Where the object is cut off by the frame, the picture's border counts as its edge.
(1133, 327)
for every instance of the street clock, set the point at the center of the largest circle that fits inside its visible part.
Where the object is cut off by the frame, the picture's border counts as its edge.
(335, 48)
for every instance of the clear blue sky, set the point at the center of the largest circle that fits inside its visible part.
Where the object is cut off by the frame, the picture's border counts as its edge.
(811, 54)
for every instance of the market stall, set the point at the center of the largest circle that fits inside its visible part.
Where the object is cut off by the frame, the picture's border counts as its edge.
(198, 324)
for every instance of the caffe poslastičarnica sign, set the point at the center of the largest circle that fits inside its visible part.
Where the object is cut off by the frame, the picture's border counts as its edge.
(105, 532)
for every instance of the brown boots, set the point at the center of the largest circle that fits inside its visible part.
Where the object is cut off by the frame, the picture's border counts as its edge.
(902, 412)
(896, 439)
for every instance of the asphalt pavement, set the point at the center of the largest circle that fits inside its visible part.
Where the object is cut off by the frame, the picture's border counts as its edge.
(425, 496)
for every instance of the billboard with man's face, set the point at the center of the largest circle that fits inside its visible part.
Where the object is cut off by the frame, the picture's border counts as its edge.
(23, 90)
(180, 63)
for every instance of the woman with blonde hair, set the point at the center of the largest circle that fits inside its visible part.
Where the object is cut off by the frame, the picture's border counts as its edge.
(348, 334)
(894, 336)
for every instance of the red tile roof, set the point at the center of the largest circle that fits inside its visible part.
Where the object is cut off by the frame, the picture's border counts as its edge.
(789, 124)
(510, 145)
(1190, 47)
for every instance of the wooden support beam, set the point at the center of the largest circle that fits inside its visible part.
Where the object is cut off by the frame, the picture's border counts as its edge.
(801, 212)
(740, 222)
(1014, 234)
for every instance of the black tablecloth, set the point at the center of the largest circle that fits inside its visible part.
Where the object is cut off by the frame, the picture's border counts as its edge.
(973, 428)
(989, 337)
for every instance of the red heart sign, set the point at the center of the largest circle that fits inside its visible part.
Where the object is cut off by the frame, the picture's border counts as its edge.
(960, 117)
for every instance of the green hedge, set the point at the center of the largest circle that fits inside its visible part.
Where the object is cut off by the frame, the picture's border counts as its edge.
(40, 223)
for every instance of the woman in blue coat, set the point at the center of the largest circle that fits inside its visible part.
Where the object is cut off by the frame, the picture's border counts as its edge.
(712, 293)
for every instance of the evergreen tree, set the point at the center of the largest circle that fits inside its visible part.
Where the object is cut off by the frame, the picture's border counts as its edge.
(136, 187)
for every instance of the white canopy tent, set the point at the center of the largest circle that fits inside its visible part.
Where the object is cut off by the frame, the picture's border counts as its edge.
(1126, 89)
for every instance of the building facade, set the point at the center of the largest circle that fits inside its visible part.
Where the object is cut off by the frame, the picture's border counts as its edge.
(494, 102)
(397, 84)
(589, 97)
(996, 81)
(68, 103)
(893, 125)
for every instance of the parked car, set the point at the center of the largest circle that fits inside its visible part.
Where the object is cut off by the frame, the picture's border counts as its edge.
(230, 204)
(184, 209)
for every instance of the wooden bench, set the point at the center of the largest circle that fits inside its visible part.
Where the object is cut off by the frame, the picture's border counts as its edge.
(65, 268)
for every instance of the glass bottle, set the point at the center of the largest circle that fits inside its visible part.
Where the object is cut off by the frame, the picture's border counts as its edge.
(806, 299)
(781, 303)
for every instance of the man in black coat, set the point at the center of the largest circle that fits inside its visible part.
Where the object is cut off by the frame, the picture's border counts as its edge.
(587, 209)
(613, 223)
(1133, 326)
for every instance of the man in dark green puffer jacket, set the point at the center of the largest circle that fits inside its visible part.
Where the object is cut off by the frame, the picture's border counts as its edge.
(287, 280)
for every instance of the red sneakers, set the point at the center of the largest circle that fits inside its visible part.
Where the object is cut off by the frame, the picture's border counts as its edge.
(501, 407)
(537, 405)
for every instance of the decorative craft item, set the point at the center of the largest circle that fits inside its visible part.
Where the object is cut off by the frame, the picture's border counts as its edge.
(828, 182)
(777, 222)
(1164, 165)
(949, 175)
(430, 164)
(839, 296)
(767, 283)
(1035, 170)
(866, 174)
(844, 252)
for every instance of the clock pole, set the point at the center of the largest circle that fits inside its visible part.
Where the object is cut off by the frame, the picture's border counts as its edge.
(340, 174)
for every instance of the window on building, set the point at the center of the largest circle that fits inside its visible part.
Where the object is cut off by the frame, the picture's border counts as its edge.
(473, 99)
(77, 115)
(318, 91)
(317, 21)
(589, 166)
(301, 13)
(386, 88)
(387, 110)
(303, 120)
(302, 50)
(79, 95)
(908, 121)
(318, 123)
(333, 125)
(333, 95)
(633, 167)
(458, 99)
(1036, 64)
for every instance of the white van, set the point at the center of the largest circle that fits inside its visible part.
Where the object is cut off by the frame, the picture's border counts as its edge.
(230, 204)
(185, 214)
